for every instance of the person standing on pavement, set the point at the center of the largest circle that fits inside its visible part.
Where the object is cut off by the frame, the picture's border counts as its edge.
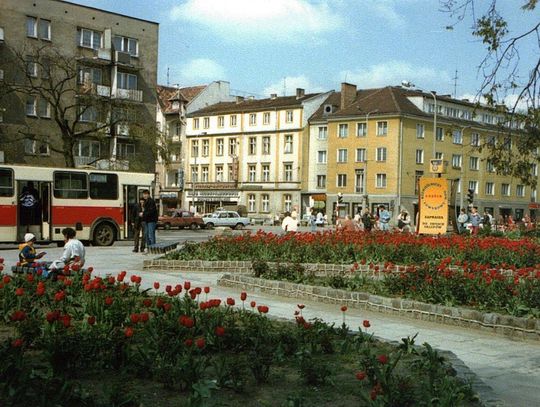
(313, 220)
(462, 219)
(150, 217)
(475, 219)
(139, 226)
(384, 218)
(367, 220)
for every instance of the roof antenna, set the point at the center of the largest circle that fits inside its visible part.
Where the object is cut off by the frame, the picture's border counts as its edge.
(284, 86)
(455, 78)
(167, 75)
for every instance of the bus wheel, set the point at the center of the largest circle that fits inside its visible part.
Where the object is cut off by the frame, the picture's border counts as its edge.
(103, 235)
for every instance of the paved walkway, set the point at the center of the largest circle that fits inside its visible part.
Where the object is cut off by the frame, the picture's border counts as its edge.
(510, 367)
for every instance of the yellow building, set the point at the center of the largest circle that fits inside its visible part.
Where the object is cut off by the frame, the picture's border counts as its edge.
(380, 141)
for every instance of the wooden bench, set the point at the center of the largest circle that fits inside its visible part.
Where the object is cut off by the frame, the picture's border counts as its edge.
(162, 247)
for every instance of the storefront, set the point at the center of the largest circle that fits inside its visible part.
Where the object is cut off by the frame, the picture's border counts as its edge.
(208, 200)
(315, 201)
(168, 201)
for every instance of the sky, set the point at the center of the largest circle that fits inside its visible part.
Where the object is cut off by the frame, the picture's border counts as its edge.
(275, 46)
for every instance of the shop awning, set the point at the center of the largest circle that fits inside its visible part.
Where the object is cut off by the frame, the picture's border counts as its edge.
(319, 197)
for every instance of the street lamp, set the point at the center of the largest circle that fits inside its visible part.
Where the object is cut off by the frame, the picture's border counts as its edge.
(408, 84)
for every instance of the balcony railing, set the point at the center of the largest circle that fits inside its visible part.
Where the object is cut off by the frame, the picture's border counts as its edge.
(94, 89)
(134, 95)
(81, 161)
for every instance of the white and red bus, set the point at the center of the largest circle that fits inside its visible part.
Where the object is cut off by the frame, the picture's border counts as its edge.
(96, 203)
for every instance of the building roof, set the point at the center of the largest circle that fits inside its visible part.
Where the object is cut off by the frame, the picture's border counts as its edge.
(167, 94)
(106, 11)
(252, 105)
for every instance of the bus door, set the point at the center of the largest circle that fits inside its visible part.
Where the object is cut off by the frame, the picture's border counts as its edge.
(33, 205)
(132, 193)
(46, 222)
(8, 206)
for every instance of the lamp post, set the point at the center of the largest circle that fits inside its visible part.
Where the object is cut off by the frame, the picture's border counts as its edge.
(408, 84)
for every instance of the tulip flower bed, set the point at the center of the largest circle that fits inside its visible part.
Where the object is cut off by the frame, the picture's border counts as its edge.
(490, 273)
(92, 341)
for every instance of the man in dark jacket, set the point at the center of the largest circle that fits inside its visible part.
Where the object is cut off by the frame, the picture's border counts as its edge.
(139, 226)
(150, 217)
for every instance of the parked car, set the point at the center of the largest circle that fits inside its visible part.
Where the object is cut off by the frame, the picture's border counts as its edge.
(180, 219)
(226, 218)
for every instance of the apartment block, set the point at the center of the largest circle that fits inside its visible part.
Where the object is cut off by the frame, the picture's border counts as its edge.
(371, 146)
(249, 152)
(110, 63)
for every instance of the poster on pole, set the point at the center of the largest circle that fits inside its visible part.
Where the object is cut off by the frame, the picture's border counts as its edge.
(433, 216)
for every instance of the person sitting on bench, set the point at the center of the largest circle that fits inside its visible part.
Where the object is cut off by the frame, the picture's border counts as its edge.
(73, 254)
(27, 251)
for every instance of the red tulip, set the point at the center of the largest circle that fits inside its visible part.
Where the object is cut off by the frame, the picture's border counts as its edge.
(59, 296)
(144, 317)
(66, 320)
(133, 278)
(188, 343)
(361, 375)
(167, 307)
(135, 318)
(383, 359)
(6, 279)
(147, 302)
(253, 304)
(230, 301)
(18, 315)
(366, 323)
(206, 290)
(187, 285)
(90, 269)
(1, 260)
(29, 277)
(344, 308)
(301, 306)
(19, 291)
(52, 316)
(91, 320)
(263, 309)
(17, 343)
(156, 285)
(200, 342)
(243, 296)
(108, 300)
(128, 332)
(220, 331)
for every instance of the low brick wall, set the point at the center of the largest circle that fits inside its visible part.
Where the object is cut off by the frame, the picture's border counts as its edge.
(524, 328)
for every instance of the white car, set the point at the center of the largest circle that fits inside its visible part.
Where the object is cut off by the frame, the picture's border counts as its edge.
(226, 218)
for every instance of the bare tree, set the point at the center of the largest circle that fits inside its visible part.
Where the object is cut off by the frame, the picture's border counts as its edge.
(57, 83)
(507, 78)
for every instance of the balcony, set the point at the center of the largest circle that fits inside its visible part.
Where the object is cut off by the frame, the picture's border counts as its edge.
(122, 130)
(95, 90)
(81, 161)
(104, 53)
(133, 95)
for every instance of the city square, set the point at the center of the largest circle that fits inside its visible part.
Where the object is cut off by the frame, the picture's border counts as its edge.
(189, 219)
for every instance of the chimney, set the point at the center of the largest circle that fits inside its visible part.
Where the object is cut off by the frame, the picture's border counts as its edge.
(273, 96)
(300, 93)
(348, 94)
(239, 99)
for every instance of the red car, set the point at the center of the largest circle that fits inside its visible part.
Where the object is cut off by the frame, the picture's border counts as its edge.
(180, 219)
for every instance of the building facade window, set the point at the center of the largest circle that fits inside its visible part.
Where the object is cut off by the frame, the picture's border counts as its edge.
(490, 167)
(380, 181)
(417, 176)
(361, 129)
(44, 108)
(219, 146)
(88, 114)
(90, 75)
(252, 119)
(38, 28)
(289, 116)
(266, 118)
(520, 190)
(195, 173)
(219, 173)
(288, 148)
(221, 121)
(321, 157)
(252, 172)
(230, 172)
(419, 156)
(342, 155)
(31, 67)
(89, 38)
(36, 147)
(196, 123)
(343, 130)
(341, 180)
(382, 128)
(456, 160)
(31, 106)
(126, 80)
(505, 189)
(206, 122)
(474, 163)
(126, 44)
(475, 139)
(125, 151)
(439, 134)
(457, 137)
(265, 203)
(205, 147)
(474, 186)
(194, 148)
(359, 181)
(204, 173)
(361, 155)
(87, 149)
(266, 172)
(251, 203)
(252, 146)
(288, 172)
(438, 155)
(323, 133)
(490, 188)
(321, 181)
(287, 202)
(232, 146)
(381, 154)
(266, 145)
(419, 130)
(232, 120)
(31, 27)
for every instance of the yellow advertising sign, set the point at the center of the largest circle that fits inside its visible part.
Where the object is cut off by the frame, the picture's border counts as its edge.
(433, 217)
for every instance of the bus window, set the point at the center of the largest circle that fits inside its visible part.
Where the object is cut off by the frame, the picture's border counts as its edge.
(103, 186)
(6, 182)
(71, 185)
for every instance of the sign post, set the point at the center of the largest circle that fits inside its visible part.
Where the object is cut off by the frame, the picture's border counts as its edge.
(433, 205)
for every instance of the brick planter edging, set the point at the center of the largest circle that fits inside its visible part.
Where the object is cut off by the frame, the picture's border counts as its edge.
(505, 325)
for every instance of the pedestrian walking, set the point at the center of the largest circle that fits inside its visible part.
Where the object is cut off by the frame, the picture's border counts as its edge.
(139, 227)
(462, 219)
(475, 219)
(150, 217)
